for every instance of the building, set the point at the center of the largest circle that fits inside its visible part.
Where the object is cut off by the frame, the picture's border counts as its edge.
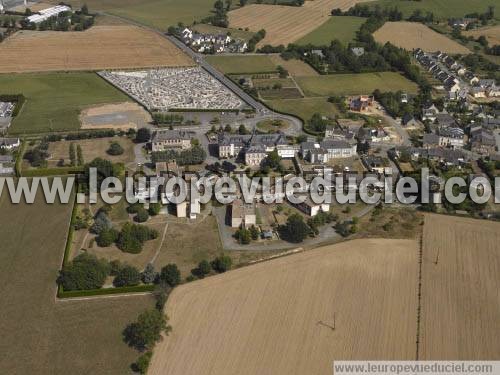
(47, 13)
(482, 141)
(309, 207)
(326, 150)
(242, 214)
(255, 155)
(430, 113)
(171, 139)
(451, 137)
(358, 51)
(360, 103)
(409, 121)
(9, 143)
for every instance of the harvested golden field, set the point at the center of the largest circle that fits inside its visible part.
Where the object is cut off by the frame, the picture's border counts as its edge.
(461, 292)
(276, 317)
(286, 24)
(122, 116)
(492, 34)
(295, 67)
(410, 35)
(100, 47)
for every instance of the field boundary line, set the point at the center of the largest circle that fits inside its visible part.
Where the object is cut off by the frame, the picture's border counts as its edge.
(117, 295)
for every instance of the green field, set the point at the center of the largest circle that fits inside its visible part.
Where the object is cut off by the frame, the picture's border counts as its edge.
(354, 84)
(54, 100)
(440, 8)
(159, 14)
(43, 336)
(235, 33)
(304, 108)
(341, 28)
(250, 64)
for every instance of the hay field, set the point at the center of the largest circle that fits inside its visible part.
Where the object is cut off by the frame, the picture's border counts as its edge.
(239, 64)
(410, 35)
(100, 47)
(492, 34)
(286, 24)
(342, 28)
(275, 317)
(39, 335)
(461, 293)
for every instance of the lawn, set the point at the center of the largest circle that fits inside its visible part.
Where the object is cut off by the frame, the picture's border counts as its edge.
(305, 107)
(354, 84)
(54, 100)
(341, 28)
(251, 64)
(442, 9)
(235, 33)
(42, 336)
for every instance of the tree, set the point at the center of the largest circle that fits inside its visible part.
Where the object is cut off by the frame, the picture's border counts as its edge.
(154, 209)
(317, 124)
(133, 236)
(79, 155)
(227, 128)
(242, 130)
(83, 273)
(127, 276)
(273, 159)
(204, 267)
(106, 237)
(143, 135)
(147, 330)
(149, 274)
(72, 154)
(295, 230)
(243, 236)
(171, 275)
(85, 9)
(243, 2)
(115, 149)
(222, 263)
(101, 222)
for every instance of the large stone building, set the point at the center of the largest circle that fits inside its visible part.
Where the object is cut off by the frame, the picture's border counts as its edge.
(171, 139)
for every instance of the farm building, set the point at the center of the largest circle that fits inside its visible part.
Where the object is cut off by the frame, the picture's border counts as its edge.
(242, 214)
(45, 14)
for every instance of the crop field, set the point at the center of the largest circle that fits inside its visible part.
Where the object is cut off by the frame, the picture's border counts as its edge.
(460, 284)
(355, 84)
(492, 34)
(242, 64)
(101, 47)
(304, 108)
(341, 28)
(42, 336)
(286, 24)
(277, 317)
(411, 35)
(442, 9)
(54, 100)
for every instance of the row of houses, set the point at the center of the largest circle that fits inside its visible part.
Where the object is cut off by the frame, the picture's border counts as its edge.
(162, 140)
(212, 43)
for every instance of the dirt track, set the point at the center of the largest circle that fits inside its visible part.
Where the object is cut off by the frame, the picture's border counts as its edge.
(277, 317)
(286, 24)
(100, 47)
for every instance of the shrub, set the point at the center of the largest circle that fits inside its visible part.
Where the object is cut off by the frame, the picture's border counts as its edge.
(142, 364)
(101, 222)
(143, 135)
(222, 263)
(295, 230)
(154, 209)
(127, 276)
(149, 274)
(115, 149)
(132, 237)
(142, 216)
(83, 273)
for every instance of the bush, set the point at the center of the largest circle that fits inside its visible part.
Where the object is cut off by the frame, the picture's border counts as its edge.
(154, 209)
(127, 276)
(222, 263)
(134, 208)
(171, 275)
(142, 215)
(295, 230)
(115, 149)
(142, 364)
(114, 267)
(143, 135)
(106, 237)
(83, 273)
(101, 222)
(202, 270)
